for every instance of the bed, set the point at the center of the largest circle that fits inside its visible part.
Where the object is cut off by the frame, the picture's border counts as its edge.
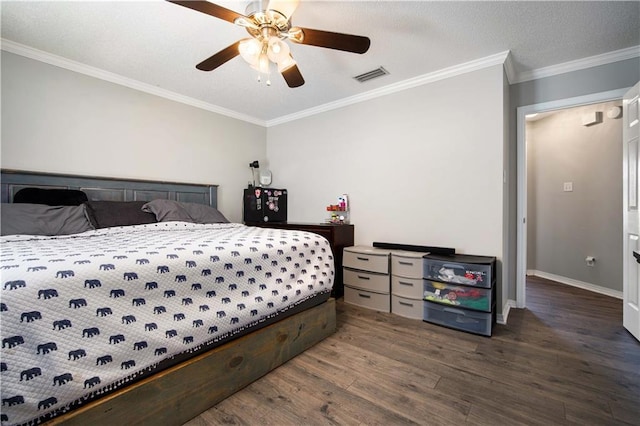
(154, 319)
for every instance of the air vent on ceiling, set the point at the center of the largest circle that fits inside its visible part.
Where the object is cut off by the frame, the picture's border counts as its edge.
(370, 75)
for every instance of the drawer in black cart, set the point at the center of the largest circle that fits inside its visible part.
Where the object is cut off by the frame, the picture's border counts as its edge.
(459, 292)
(458, 295)
(461, 319)
(478, 271)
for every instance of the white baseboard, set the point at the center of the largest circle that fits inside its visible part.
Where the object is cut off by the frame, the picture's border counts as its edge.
(502, 318)
(576, 283)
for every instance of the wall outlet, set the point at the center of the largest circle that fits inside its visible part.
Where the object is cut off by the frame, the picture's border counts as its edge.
(568, 187)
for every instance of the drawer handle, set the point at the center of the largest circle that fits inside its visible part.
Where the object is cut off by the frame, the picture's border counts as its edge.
(406, 304)
(453, 266)
(454, 311)
(364, 259)
(363, 278)
(406, 263)
(366, 296)
(404, 283)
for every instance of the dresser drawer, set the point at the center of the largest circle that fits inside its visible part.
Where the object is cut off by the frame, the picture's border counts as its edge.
(408, 308)
(378, 283)
(411, 288)
(408, 265)
(367, 299)
(461, 319)
(459, 295)
(366, 259)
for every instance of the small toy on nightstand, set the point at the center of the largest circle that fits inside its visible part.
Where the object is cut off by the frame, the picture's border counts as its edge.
(340, 211)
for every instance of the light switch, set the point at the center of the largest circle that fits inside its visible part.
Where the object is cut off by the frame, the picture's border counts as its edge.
(568, 187)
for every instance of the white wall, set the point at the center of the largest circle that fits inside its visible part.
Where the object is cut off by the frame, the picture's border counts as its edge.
(422, 166)
(55, 120)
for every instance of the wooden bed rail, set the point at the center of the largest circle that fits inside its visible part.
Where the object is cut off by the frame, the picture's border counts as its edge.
(176, 395)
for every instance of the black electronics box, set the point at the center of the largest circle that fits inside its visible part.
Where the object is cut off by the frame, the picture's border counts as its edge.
(423, 249)
(265, 205)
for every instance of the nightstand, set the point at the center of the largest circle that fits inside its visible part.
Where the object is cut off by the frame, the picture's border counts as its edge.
(338, 235)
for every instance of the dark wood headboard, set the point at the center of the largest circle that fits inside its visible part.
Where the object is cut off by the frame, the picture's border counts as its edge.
(108, 189)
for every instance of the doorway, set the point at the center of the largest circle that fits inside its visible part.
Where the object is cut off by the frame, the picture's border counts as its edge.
(522, 194)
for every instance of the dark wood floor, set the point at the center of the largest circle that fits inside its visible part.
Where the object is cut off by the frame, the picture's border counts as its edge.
(566, 359)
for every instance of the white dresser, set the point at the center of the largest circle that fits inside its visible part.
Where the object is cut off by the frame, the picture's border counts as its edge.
(407, 284)
(366, 277)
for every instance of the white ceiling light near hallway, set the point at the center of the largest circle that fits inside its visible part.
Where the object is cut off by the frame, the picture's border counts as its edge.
(269, 27)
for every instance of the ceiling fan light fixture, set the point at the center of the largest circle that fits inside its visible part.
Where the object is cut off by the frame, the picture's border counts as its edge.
(263, 63)
(277, 50)
(243, 21)
(284, 7)
(296, 34)
(250, 50)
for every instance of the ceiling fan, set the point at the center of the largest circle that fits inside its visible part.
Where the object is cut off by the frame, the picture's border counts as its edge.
(269, 26)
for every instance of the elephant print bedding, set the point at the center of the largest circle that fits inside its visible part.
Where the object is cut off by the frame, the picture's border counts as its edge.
(85, 314)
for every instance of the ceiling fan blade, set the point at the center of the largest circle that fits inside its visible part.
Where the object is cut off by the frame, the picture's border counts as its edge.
(293, 77)
(330, 40)
(220, 58)
(210, 9)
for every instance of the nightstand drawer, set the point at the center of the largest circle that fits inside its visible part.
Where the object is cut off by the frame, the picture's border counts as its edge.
(408, 308)
(366, 281)
(407, 264)
(407, 287)
(366, 259)
(367, 299)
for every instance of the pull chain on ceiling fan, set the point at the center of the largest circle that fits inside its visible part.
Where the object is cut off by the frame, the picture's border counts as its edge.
(269, 28)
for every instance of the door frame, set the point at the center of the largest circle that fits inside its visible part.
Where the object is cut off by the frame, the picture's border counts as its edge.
(521, 165)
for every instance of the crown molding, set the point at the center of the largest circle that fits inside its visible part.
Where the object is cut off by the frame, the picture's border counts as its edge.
(59, 61)
(503, 58)
(578, 64)
(38, 55)
(496, 59)
(509, 68)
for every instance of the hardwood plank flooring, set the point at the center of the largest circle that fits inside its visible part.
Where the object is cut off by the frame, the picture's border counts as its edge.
(565, 360)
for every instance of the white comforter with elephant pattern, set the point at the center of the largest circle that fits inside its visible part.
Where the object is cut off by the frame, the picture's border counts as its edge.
(86, 313)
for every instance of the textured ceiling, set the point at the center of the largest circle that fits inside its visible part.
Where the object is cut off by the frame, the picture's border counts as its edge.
(159, 43)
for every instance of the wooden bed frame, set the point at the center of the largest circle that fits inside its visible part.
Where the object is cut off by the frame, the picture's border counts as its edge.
(107, 189)
(181, 392)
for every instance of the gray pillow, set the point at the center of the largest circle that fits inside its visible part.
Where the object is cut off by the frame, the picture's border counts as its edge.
(168, 210)
(40, 219)
(105, 214)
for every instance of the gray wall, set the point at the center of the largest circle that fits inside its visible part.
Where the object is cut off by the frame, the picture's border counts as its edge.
(56, 120)
(566, 227)
(603, 78)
